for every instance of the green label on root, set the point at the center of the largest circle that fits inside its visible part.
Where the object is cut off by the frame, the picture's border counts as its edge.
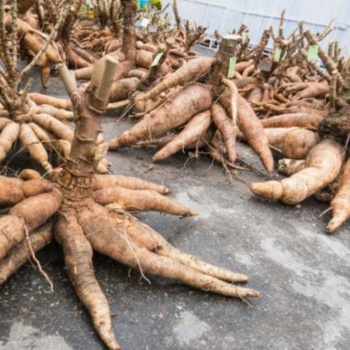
(157, 59)
(231, 67)
(312, 53)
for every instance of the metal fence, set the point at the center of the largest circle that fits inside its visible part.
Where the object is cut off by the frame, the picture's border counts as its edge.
(226, 15)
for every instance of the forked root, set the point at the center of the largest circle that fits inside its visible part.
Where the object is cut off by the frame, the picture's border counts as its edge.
(140, 200)
(110, 237)
(78, 259)
(154, 242)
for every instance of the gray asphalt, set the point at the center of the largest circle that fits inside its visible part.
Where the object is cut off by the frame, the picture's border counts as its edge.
(303, 274)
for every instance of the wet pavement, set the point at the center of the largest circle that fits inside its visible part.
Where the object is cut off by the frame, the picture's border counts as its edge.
(303, 274)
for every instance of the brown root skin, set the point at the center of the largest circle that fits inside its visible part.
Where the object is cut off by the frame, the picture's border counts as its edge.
(41, 99)
(252, 128)
(33, 187)
(133, 183)
(140, 200)
(322, 166)
(10, 191)
(83, 225)
(75, 245)
(12, 231)
(121, 89)
(302, 120)
(289, 167)
(341, 202)
(313, 90)
(153, 241)
(35, 148)
(8, 136)
(227, 130)
(46, 205)
(16, 257)
(110, 238)
(190, 71)
(195, 128)
(292, 142)
(188, 102)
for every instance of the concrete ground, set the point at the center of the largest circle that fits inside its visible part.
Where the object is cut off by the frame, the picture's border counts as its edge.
(303, 274)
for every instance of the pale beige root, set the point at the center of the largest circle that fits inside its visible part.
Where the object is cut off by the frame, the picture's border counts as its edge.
(289, 167)
(158, 142)
(78, 260)
(241, 66)
(302, 120)
(57, 113)
(328, 193)
(19, 255)
(43, 135)
(251, 127)
(83, 73)
(37, 210)
(133, 183)
(41, 99)
(322, 166)
(154, 242)
(75, 60)
(144, 58)
(12, 231)
(35, 148)
(8, 136)
(102, 166)
(62, 147)
(313, 90)
(195, 128)
(341, 202)
(45, 76)
(29, 174)
(146, 46)
(4, 120)
(109, 237)
(292, 142)
(33, 187)
(61, 130)
(189, 72)
(227, 130)
(10, 191)
(188, 102)
(164, 97)
(138, 73)
(140, 200)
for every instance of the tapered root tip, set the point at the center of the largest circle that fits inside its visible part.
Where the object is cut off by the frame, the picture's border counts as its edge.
(107, 335)
(251, 293)
(166, 190)
(334, 225)
(113, 145)
(239, 277)
(191, 213)
(269, 189)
